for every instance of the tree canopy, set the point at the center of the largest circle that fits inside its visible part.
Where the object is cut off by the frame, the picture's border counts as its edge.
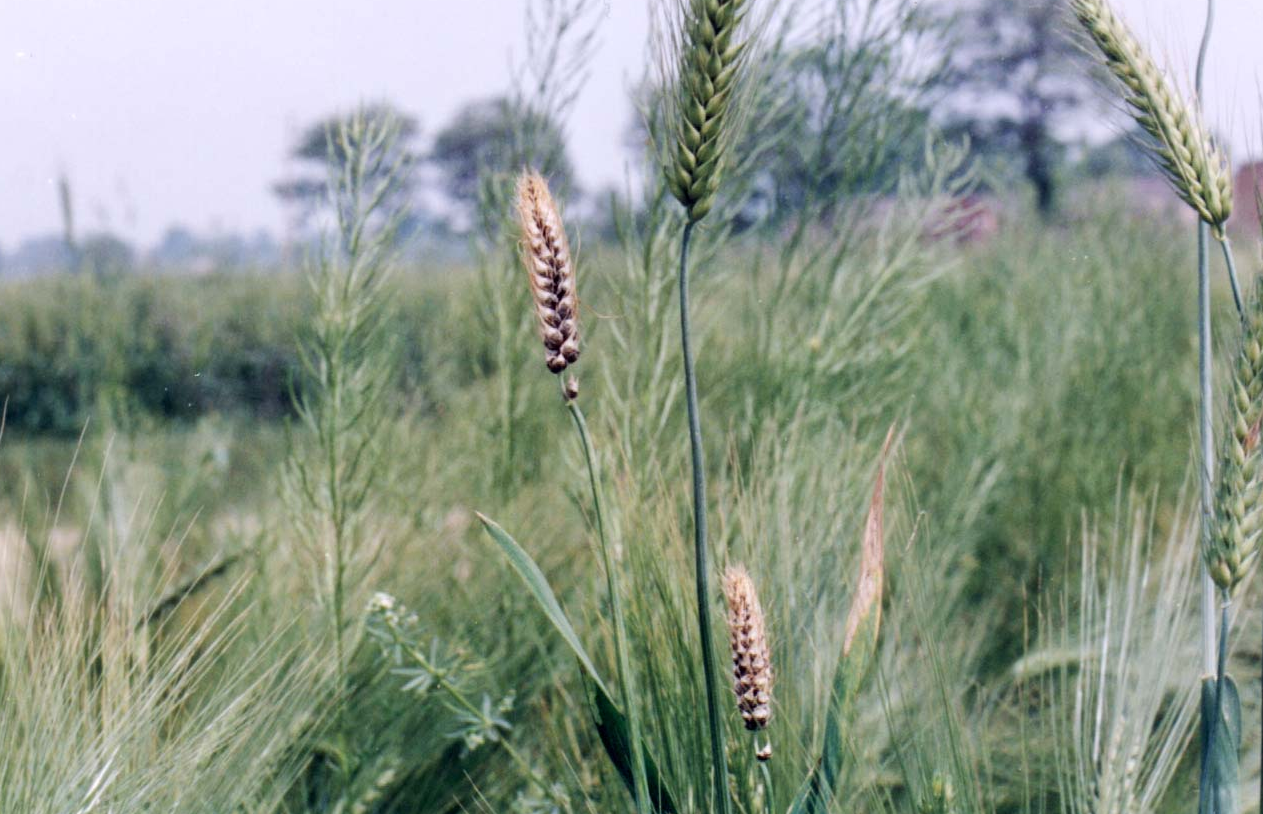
(497, 135)
(1017, 84)
(318, 152)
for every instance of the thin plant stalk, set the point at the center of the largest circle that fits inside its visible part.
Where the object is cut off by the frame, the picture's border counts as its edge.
(719, 756)
(1205, 795)
(769, 799)
(1211, 664)
(1231, 262)
(1207, 438)
(640, 782)
(1204, 373)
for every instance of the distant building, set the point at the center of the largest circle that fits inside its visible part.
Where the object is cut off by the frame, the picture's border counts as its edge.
(1246, 189)
(1153, 195)
(968, 219)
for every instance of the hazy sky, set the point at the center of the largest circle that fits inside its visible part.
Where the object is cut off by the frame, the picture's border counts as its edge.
(165, 111)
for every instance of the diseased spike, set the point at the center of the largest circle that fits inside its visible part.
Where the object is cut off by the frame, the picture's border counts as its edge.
(550, 271)
(751, 660)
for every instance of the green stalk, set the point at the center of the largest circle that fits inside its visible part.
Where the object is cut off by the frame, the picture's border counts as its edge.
(769, 799)
(1211, 665)
(1204, 372)
(1231, 262)
(719, 757)
(1204, 369)
(1208, 800)
(625, 677)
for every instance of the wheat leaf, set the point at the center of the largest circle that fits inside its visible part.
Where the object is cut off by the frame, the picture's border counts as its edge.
(610, 722)
(863, 622)
(1223, 771)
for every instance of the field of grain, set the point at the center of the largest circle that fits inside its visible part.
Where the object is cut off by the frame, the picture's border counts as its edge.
(370, 532)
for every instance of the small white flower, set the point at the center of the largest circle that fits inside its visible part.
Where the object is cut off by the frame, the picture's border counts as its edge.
(381, 602)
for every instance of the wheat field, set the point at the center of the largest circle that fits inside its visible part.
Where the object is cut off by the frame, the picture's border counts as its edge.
(835, 506)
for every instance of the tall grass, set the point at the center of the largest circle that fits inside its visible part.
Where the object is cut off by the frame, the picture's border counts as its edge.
(334, 475)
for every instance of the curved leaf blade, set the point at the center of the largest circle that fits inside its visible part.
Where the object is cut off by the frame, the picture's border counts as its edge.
(611, 725)
(610, 722)
(863, 623)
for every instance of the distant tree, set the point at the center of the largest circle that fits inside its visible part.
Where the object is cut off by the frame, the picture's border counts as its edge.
(838, 109)
(182, 248)
(38, 255)
(843, 129)
(105, 254)
(66, 205)
(1018, 77)
(1124, 155)
(317, 151)
(178, 246)
(493, 136)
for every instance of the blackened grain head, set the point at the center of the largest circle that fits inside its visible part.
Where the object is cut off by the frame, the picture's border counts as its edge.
(550, 270)
(751, 659)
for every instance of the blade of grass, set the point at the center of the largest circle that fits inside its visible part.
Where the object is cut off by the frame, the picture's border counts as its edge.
(611, 723)
(863, 624)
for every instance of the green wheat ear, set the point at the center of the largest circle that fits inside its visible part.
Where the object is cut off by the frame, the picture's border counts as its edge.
(1188, 155)
(710, 59)
(1233, 546)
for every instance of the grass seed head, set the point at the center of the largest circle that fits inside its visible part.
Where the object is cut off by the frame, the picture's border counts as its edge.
(751, 660)
(710, 61)
(1190, 158)
(550, 269)
(1233, 544)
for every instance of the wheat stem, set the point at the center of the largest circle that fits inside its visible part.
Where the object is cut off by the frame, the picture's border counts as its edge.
(1208, 800)
(768, 796)
(1211, 664)
(640, 784)
(1203, 48)
(1207, 439)
(719, 756)
(1233, 280)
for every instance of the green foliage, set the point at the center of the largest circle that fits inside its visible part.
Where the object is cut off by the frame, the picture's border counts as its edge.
(180, 349)
(163, 645)
(69, 346)
(1221, 746)
(1031, 380)
(334, 472)
(609, 720)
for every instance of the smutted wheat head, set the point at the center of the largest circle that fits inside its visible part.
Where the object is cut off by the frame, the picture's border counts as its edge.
(751, 660)
(550, 268)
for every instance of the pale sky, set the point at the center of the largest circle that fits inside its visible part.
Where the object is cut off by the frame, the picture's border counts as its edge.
(163, 111)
